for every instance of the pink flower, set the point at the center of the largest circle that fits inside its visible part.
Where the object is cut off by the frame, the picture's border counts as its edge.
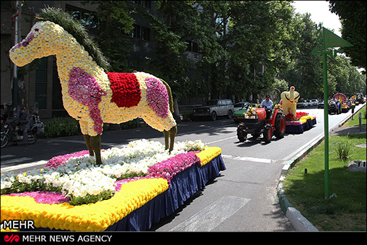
(169, 168)
(157, 96)
(57, 161)
(46, 197)
(85, 89)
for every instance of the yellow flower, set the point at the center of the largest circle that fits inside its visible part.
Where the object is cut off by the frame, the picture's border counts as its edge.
(208, 154)
(92, 217)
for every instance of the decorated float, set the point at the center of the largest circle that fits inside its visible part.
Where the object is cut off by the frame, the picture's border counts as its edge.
(340, 102)
(135, 187)
(296, 122)
(117, 189)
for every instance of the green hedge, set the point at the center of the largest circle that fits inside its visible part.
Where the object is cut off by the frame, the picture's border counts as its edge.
(59, 127)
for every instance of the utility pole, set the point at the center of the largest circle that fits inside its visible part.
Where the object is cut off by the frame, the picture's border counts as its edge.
(15, 70)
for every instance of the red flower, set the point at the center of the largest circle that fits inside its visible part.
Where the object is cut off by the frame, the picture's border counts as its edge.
(291, 117)
(125, 89)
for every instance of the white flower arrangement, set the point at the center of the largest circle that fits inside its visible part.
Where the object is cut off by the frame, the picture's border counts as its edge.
(80, 178)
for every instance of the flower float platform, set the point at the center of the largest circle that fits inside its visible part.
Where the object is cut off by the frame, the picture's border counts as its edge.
(299, 123)
(72, 193)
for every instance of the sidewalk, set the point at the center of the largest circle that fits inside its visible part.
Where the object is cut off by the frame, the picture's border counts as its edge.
(348, 130)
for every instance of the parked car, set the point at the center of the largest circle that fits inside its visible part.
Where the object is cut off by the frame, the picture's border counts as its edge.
(314, 102)
(302, 103)
(239, 114)
(320, 104)
(241, 105)
(215, 108)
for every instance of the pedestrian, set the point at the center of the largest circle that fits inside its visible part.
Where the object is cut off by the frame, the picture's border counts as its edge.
(24, 124)
(352, 107)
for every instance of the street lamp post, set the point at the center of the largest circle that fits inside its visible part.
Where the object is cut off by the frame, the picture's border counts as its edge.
(325, 41)
(15, 70)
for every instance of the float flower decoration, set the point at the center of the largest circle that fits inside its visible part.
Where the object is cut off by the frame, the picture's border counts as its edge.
(75, 175)
(251, 111)
(299, 119)
(130, 194)
(90, 93)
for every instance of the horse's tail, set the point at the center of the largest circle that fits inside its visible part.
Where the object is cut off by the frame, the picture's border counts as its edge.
(171, 108)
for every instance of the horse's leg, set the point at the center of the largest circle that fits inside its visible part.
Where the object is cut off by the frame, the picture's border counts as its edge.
(166, 138)
(172, 135)
(87, 142)
(95, 143)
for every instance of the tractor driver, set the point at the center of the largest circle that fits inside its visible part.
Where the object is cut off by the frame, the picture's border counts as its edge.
(268, 105)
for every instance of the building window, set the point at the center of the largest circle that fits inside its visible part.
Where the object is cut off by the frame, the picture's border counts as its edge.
(140, 32)
(41, 84)
(192, 46)
(88, 19)
(195, 47)
(145, 33)
(145, 4)
(135, 33)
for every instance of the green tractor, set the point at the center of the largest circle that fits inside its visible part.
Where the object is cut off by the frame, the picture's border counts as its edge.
(253, 119)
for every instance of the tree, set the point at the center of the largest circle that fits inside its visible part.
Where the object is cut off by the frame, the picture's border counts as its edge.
(353, 18)
(114, 20)
(306, 73)
(177, 23)
(261, 34)
(213, 21)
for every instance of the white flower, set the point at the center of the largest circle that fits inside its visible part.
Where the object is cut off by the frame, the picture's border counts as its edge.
(79, 175)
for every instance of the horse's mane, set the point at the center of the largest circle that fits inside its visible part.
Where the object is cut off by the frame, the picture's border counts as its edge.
(77, 30)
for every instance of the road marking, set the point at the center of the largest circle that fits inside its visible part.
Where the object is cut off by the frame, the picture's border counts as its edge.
(249, 159)
(6, 156)
(16, 160)
(216, 141)
(26, 165)
(214, 214)
(252, 159)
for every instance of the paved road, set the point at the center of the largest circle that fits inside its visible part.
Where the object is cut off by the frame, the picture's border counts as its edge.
(243, 198)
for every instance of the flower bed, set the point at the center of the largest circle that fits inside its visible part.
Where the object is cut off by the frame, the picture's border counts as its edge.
(73, 194)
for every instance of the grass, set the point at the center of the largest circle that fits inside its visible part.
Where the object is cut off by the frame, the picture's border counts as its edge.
(355, 120)
(346, 211)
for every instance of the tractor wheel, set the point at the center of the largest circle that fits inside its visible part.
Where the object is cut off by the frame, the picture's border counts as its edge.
(241, 133)
(268, 133)
(279, 126)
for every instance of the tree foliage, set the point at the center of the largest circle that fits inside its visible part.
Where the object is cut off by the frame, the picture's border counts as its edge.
(236, 40)
(114, 21)
(353, 18)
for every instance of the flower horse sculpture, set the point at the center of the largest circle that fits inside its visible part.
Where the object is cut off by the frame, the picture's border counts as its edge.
(90, 94)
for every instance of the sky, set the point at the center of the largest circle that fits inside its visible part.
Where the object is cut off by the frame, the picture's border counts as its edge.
(319, 11)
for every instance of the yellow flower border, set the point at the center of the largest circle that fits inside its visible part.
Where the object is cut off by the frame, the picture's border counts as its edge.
(305, 118)
(90, 217)
(95, 216)
(209, 154)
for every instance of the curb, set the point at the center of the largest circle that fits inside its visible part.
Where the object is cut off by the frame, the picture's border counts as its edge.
(299, 222)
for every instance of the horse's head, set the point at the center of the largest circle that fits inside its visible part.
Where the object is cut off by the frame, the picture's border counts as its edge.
(44, 39)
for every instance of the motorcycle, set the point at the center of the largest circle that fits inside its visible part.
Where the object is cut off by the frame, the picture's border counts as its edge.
(13, 133)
